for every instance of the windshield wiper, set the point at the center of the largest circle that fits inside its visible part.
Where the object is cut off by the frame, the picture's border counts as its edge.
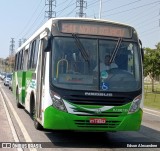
(81, 47)
(115, 50)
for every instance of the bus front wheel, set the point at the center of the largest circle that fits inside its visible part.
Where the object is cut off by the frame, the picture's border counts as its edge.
(37, 125)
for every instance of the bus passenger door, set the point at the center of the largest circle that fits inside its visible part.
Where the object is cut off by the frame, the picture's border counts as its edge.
(40, 80)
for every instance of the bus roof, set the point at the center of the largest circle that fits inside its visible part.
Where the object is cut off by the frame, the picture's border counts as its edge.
(50, 21)
(91, 19)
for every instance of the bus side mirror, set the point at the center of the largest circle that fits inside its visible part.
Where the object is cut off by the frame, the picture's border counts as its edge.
(142, 50)
(47, 44)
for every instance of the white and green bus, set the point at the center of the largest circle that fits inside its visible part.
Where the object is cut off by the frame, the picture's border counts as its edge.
(62, 80)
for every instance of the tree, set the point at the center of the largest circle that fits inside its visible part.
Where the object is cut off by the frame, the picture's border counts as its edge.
(152, 63)
(11, 62)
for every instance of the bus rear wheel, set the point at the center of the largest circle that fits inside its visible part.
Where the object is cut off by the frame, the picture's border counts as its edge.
(17, 100)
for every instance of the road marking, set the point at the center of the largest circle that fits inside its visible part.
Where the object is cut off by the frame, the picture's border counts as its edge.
(151, 113)
(14, 134)
(151, 110)
(22, 127)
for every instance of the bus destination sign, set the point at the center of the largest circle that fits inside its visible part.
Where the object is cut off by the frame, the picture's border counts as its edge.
(96, 29)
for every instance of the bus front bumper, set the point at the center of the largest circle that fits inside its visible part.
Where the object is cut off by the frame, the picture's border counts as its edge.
(58, 120)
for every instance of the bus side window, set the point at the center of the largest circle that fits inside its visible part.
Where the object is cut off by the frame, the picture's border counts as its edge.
(16, 62)
(22, 60)
(33, 52)
(19, 60)
(25, 59)
(31, 55)
(36, 50)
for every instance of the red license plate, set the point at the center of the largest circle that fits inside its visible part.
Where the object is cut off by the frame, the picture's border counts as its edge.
(97, 120)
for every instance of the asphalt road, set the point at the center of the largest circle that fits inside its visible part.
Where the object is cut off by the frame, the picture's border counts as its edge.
(88, 141)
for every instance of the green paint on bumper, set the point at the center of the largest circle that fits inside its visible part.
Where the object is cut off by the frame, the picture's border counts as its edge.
(58, 120)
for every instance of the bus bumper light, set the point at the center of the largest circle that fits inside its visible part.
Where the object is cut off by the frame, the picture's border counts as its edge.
(135, 104)
(58, 103)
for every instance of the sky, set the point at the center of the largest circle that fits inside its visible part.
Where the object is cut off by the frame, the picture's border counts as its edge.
(21, 18)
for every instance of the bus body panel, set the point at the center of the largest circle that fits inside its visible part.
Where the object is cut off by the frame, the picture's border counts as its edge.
(30, 87)
(58, 120)
(19, 85)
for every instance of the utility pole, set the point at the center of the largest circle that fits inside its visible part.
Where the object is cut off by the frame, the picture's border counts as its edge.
(20, 42)
(12, 46)
(50, 12)
(24, 40)
(81, 4)
(11, 54)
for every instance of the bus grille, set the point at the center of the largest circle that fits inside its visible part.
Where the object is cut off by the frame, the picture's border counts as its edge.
(107, 101)
(86, 124)
(103, 114)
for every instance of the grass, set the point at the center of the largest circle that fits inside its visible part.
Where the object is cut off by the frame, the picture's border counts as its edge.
(152, 99)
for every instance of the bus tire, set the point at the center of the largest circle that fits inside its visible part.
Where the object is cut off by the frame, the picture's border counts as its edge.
(37, 125)
(17, 100)
(32, 106)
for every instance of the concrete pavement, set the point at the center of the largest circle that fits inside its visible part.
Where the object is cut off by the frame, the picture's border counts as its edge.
(5, 130)
(6, 134)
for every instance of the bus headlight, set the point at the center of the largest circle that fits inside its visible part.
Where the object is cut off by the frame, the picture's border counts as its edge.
(135, 104)
(58, 103)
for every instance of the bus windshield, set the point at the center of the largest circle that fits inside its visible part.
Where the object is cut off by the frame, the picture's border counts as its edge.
(93, 64)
